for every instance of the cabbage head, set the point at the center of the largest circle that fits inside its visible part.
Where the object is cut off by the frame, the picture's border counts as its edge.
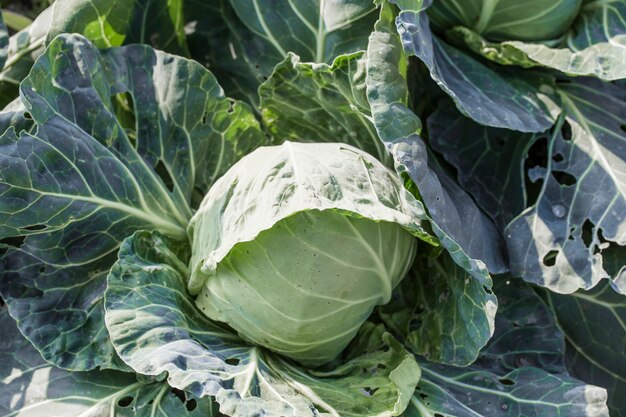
(296, 244)
(502, 20)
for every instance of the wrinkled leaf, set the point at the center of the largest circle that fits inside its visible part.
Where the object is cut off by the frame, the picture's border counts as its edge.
(105, 23)
(519, 373)
(306, 102)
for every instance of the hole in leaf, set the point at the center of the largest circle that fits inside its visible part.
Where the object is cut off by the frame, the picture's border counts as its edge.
(191, 405)
(232, 361)
(423, 396)
(588, 232)
(557, 157)
(125, 401)
(381, 366)
(164, 173)
(537, 158)
(27, 116)
(42, 269)
(1, 302)
(14, 242)
(566, 131)
(550, 258)
(35, 227)
(564, 178)
(623, 127)
(500, 140)
(231, 106)
(369, 392)
(179, 394)
(602, 243)
(538, 153)
(506, 381)
(438, 415)
(205, 117)
(487, 290)
(515, 324)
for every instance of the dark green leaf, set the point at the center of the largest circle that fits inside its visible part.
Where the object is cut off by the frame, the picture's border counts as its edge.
(247, 39)
(526, 331)
(84, 180)
(472, 392)
(441, 312)
(594, 324)
(31, 387)
(489, 161)
(4, 42)
(559, 241)
(105, 23)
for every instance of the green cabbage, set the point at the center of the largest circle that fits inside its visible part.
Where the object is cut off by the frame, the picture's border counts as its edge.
(296, 245)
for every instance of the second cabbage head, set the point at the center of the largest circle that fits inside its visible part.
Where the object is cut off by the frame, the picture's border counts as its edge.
(501, 20)
(296, 244)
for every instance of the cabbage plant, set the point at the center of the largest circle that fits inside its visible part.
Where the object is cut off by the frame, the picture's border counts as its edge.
(314, 208)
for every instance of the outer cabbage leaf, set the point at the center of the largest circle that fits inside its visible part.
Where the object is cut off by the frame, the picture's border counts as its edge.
(441, 313)
(321, 103)
(489, 160)
(247, 39)
(520, 372)
(156, 327)
(526, 331)
(456, 218)
(558, 242)
(74, 188)
(106, 23)
(594, 46)
(594, 324)
(559, 195)
(473, 392)
(15, 115)
(30, 387)
(499, 97)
